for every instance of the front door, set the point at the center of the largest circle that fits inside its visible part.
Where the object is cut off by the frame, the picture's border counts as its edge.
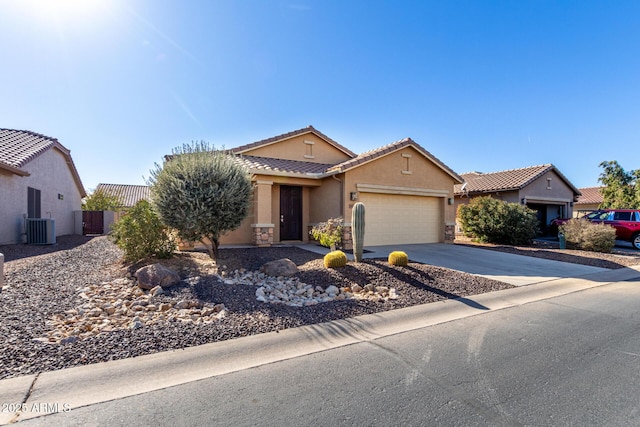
(290, 213)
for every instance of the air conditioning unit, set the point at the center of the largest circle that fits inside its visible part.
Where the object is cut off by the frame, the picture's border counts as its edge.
(41, 231)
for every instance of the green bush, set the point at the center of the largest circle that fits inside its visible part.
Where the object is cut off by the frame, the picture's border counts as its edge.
(328, 233)
(140, 234)
(494, 221)
(588, 236)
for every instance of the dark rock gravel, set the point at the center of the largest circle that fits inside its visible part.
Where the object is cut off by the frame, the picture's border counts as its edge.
(45, 280)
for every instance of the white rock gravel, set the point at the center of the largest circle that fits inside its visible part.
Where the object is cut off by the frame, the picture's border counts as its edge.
(73, 303)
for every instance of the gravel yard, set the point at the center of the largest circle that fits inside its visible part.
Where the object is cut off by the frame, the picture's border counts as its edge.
(46, 281)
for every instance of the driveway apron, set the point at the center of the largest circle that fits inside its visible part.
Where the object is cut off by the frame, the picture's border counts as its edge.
(514, 269)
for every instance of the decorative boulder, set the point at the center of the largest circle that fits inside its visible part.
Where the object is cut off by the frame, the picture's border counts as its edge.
(279, 267)
(154, 275)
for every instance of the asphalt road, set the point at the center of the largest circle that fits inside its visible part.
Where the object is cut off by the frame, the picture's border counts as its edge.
(569, 360)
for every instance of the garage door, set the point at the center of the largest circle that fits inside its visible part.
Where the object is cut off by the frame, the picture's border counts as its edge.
(396, 219)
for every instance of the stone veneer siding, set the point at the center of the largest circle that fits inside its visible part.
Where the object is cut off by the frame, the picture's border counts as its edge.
(263, 236)
(347, 239)
(449, 233)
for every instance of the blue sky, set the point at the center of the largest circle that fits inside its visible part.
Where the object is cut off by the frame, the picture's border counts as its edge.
(482, 85)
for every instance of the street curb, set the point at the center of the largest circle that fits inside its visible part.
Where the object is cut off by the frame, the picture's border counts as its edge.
(66, 389)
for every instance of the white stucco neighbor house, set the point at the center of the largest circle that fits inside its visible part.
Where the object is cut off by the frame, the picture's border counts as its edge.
(37, 180)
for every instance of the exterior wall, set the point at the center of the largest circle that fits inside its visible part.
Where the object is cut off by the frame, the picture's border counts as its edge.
(583, 208)
(406, 169)
(558, 189)
(325, 201)
(319, 151)
(51, 175)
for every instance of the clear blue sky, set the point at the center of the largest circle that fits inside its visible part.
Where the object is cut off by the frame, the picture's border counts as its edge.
(483, 85)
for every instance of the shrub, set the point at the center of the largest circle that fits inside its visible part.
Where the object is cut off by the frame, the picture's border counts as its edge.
(398, 258)
(335, 259)
(202, 193)
(588, 236)
(495, 221)
(328, 233)
(140, 234)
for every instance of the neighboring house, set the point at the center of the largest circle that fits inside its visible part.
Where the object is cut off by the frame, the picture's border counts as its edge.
(304, 177)
(542, 188)
(589, 201)
(37, 180)
(100, 222)
(129, 195)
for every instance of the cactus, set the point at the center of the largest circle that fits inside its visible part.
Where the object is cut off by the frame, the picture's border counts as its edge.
(335, 259)
(357, 230)
(398, 258)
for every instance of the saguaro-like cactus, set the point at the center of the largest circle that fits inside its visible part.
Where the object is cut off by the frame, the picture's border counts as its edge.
(357, 230)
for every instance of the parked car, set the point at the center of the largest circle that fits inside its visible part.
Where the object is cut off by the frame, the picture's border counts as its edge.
(625, 221)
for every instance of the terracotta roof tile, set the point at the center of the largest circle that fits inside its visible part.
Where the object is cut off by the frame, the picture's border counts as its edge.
(18, 147)
(269, 165)
(129, 194)
(590, 195)
(513, 179)
(308, 129)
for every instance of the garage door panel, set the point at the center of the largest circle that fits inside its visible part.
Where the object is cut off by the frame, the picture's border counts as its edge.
(397, 219)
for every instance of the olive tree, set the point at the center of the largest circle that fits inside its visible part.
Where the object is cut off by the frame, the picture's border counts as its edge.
(100, 200)
(201, 192)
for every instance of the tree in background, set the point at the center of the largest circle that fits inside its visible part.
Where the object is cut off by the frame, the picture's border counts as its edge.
(101, 201)
(621, 188)
(202, 193)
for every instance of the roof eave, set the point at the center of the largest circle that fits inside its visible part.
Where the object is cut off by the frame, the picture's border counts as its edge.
(13, 170)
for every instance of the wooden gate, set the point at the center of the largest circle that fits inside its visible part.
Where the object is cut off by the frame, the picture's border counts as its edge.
(92, 222)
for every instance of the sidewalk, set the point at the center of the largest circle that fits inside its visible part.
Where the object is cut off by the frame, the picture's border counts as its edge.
(66, 389)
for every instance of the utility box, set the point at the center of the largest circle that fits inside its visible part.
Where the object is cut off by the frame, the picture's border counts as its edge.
(41, 231)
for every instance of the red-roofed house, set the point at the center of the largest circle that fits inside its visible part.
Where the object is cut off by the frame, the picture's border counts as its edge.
(37, 180)
(304, 177)
(589, 201)
(542, 188)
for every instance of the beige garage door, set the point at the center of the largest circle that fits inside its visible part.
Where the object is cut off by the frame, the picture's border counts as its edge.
(396, 219)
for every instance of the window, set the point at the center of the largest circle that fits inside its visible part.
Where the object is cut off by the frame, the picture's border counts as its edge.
(33, 203)
(548, 183)
(622, 216)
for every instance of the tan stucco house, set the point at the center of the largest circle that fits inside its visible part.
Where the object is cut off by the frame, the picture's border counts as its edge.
(590, 200)
(542, 188)
(304, 177)
(38, 179)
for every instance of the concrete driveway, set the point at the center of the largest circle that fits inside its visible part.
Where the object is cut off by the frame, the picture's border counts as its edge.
(517, 270)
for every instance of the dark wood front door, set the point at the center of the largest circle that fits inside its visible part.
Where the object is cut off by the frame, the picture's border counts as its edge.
(290, 213)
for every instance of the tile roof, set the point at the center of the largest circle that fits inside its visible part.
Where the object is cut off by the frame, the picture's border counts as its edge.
(390, 148)
(513, 179)
(19, 147)
(308, 129)
(128, 194)
(269, 165)
(590, 195)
